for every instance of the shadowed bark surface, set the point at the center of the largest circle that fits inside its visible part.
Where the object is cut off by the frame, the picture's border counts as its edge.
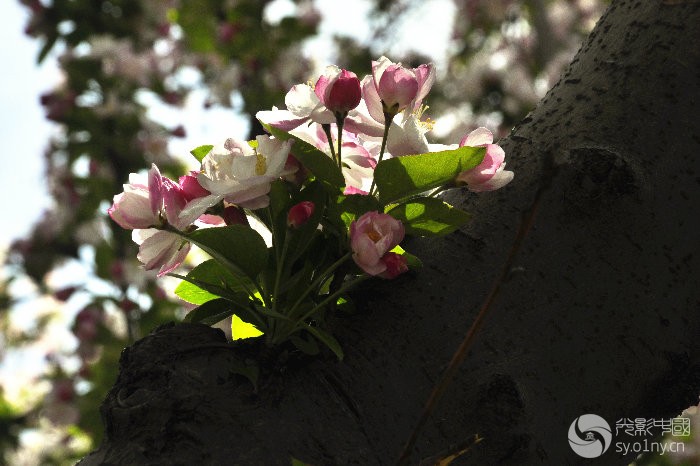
(599, 314)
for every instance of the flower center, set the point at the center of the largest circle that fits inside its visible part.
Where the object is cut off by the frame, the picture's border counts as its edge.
(260, 164)
(374, 235)
(428, 123)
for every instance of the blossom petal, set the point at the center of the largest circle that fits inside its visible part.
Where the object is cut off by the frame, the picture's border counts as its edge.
(196, 208)
(378, 68)
(173, 200)
(372, 100)
(132, 208)
(479, 137)
(280, 119)
(372, 235)
(407, 138)
(425, 75)
(500, 179)
(301, 100)
(161, 250)
(155, 189)
(398, 87)
(360, 121)
(276, 152)
(321, 87)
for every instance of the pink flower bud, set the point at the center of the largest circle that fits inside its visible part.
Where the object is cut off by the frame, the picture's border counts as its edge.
(86, 324)
(191, 188)
(339, 90)
(300, 213)
(395, 265)
(116, 271)
(85, 331)
(226, 32)
(127, 306)
(63, 390)
(235, 216)
(372, 236)
(178, 131)
(64, 294)
(397, 87)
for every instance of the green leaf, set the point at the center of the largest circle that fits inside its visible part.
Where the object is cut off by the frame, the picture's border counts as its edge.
(429, 216)
(197, 18)
(296, 462)
(211, 312)
(241, 301)
(301, 237)
(237, 247)
(214, 280)
(241, 329)
(354, 205)
(402, 177)
(247, 369)
(412, 261)
(320, 164)
(305, 345)
(327, 339)
(48, 45)
(193, 294)
(279, 198)
(345, 305)
(201, 152)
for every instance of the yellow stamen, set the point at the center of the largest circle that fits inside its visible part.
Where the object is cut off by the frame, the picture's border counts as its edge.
(418, 113)
(374, 235)
(260, 164)
(426, 124)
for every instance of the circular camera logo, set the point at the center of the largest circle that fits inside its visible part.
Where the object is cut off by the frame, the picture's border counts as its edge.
(590, 436)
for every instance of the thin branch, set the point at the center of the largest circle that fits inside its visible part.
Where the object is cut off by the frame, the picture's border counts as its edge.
(528, 219)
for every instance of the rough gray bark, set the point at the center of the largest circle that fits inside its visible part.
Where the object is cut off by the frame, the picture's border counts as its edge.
(598, 315)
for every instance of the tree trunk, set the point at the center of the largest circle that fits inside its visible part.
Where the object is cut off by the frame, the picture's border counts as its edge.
(599, 313)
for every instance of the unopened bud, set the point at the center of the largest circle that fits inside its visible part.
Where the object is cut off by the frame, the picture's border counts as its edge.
(300, 213)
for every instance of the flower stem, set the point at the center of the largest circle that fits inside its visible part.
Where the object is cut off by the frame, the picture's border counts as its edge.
(343, 289)
(340, 121)
(388, 118)
(319, 281)
(278, 274)
(439, 190)
(327, 129)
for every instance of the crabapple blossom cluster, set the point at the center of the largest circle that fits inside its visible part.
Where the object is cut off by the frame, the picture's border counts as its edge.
(344, 174)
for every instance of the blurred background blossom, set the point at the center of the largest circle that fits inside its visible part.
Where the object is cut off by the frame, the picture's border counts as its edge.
(124, 83)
